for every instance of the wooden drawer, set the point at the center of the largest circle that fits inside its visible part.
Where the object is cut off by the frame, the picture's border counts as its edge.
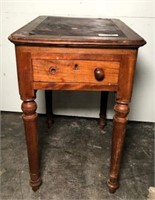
(75, 71)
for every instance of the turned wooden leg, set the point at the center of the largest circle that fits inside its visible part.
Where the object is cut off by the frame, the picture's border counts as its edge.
(49, 107)
(103, 109)
(119, 128)
(30, 123)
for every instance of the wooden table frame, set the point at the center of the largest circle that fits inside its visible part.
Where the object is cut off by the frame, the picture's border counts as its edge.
(34, 53)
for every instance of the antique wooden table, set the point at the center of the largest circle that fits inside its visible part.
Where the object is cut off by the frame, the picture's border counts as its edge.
(58, 53)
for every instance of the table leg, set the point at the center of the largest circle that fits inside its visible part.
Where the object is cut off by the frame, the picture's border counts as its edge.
(119, 128)
(49, 107)
(29, 107)
(103, 109)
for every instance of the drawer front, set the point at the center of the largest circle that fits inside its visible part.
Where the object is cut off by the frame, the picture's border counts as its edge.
(76, 71)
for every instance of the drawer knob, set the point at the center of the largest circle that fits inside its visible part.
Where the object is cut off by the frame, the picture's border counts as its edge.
(52, 70)
(99, 74)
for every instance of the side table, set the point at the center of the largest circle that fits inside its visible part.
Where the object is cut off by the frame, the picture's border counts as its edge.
(62, 53)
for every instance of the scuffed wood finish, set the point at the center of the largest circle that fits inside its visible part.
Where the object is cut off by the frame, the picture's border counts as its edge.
(121, 108)
(119, 128)
(71, 71)
(30, 122)
(57, 53)
(25, 74)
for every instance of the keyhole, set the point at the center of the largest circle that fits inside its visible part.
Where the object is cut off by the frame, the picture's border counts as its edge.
(76, 66)
(52, 70)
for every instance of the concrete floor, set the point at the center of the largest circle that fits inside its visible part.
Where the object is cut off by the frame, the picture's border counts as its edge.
(75, 157)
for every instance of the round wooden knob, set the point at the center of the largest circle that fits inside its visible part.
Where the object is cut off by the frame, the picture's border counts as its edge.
(99, 74)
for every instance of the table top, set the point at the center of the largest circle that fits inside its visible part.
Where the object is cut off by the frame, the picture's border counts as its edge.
(67, 31)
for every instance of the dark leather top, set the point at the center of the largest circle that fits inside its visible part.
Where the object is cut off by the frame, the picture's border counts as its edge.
(92, 32)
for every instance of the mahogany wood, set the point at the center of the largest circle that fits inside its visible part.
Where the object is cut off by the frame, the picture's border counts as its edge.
(57, 53)
(63, 71)
(30, 122)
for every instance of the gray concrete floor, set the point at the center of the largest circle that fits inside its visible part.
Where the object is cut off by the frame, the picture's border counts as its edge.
(75, 156)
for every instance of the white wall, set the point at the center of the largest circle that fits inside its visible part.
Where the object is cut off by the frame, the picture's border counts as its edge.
(139, 15)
